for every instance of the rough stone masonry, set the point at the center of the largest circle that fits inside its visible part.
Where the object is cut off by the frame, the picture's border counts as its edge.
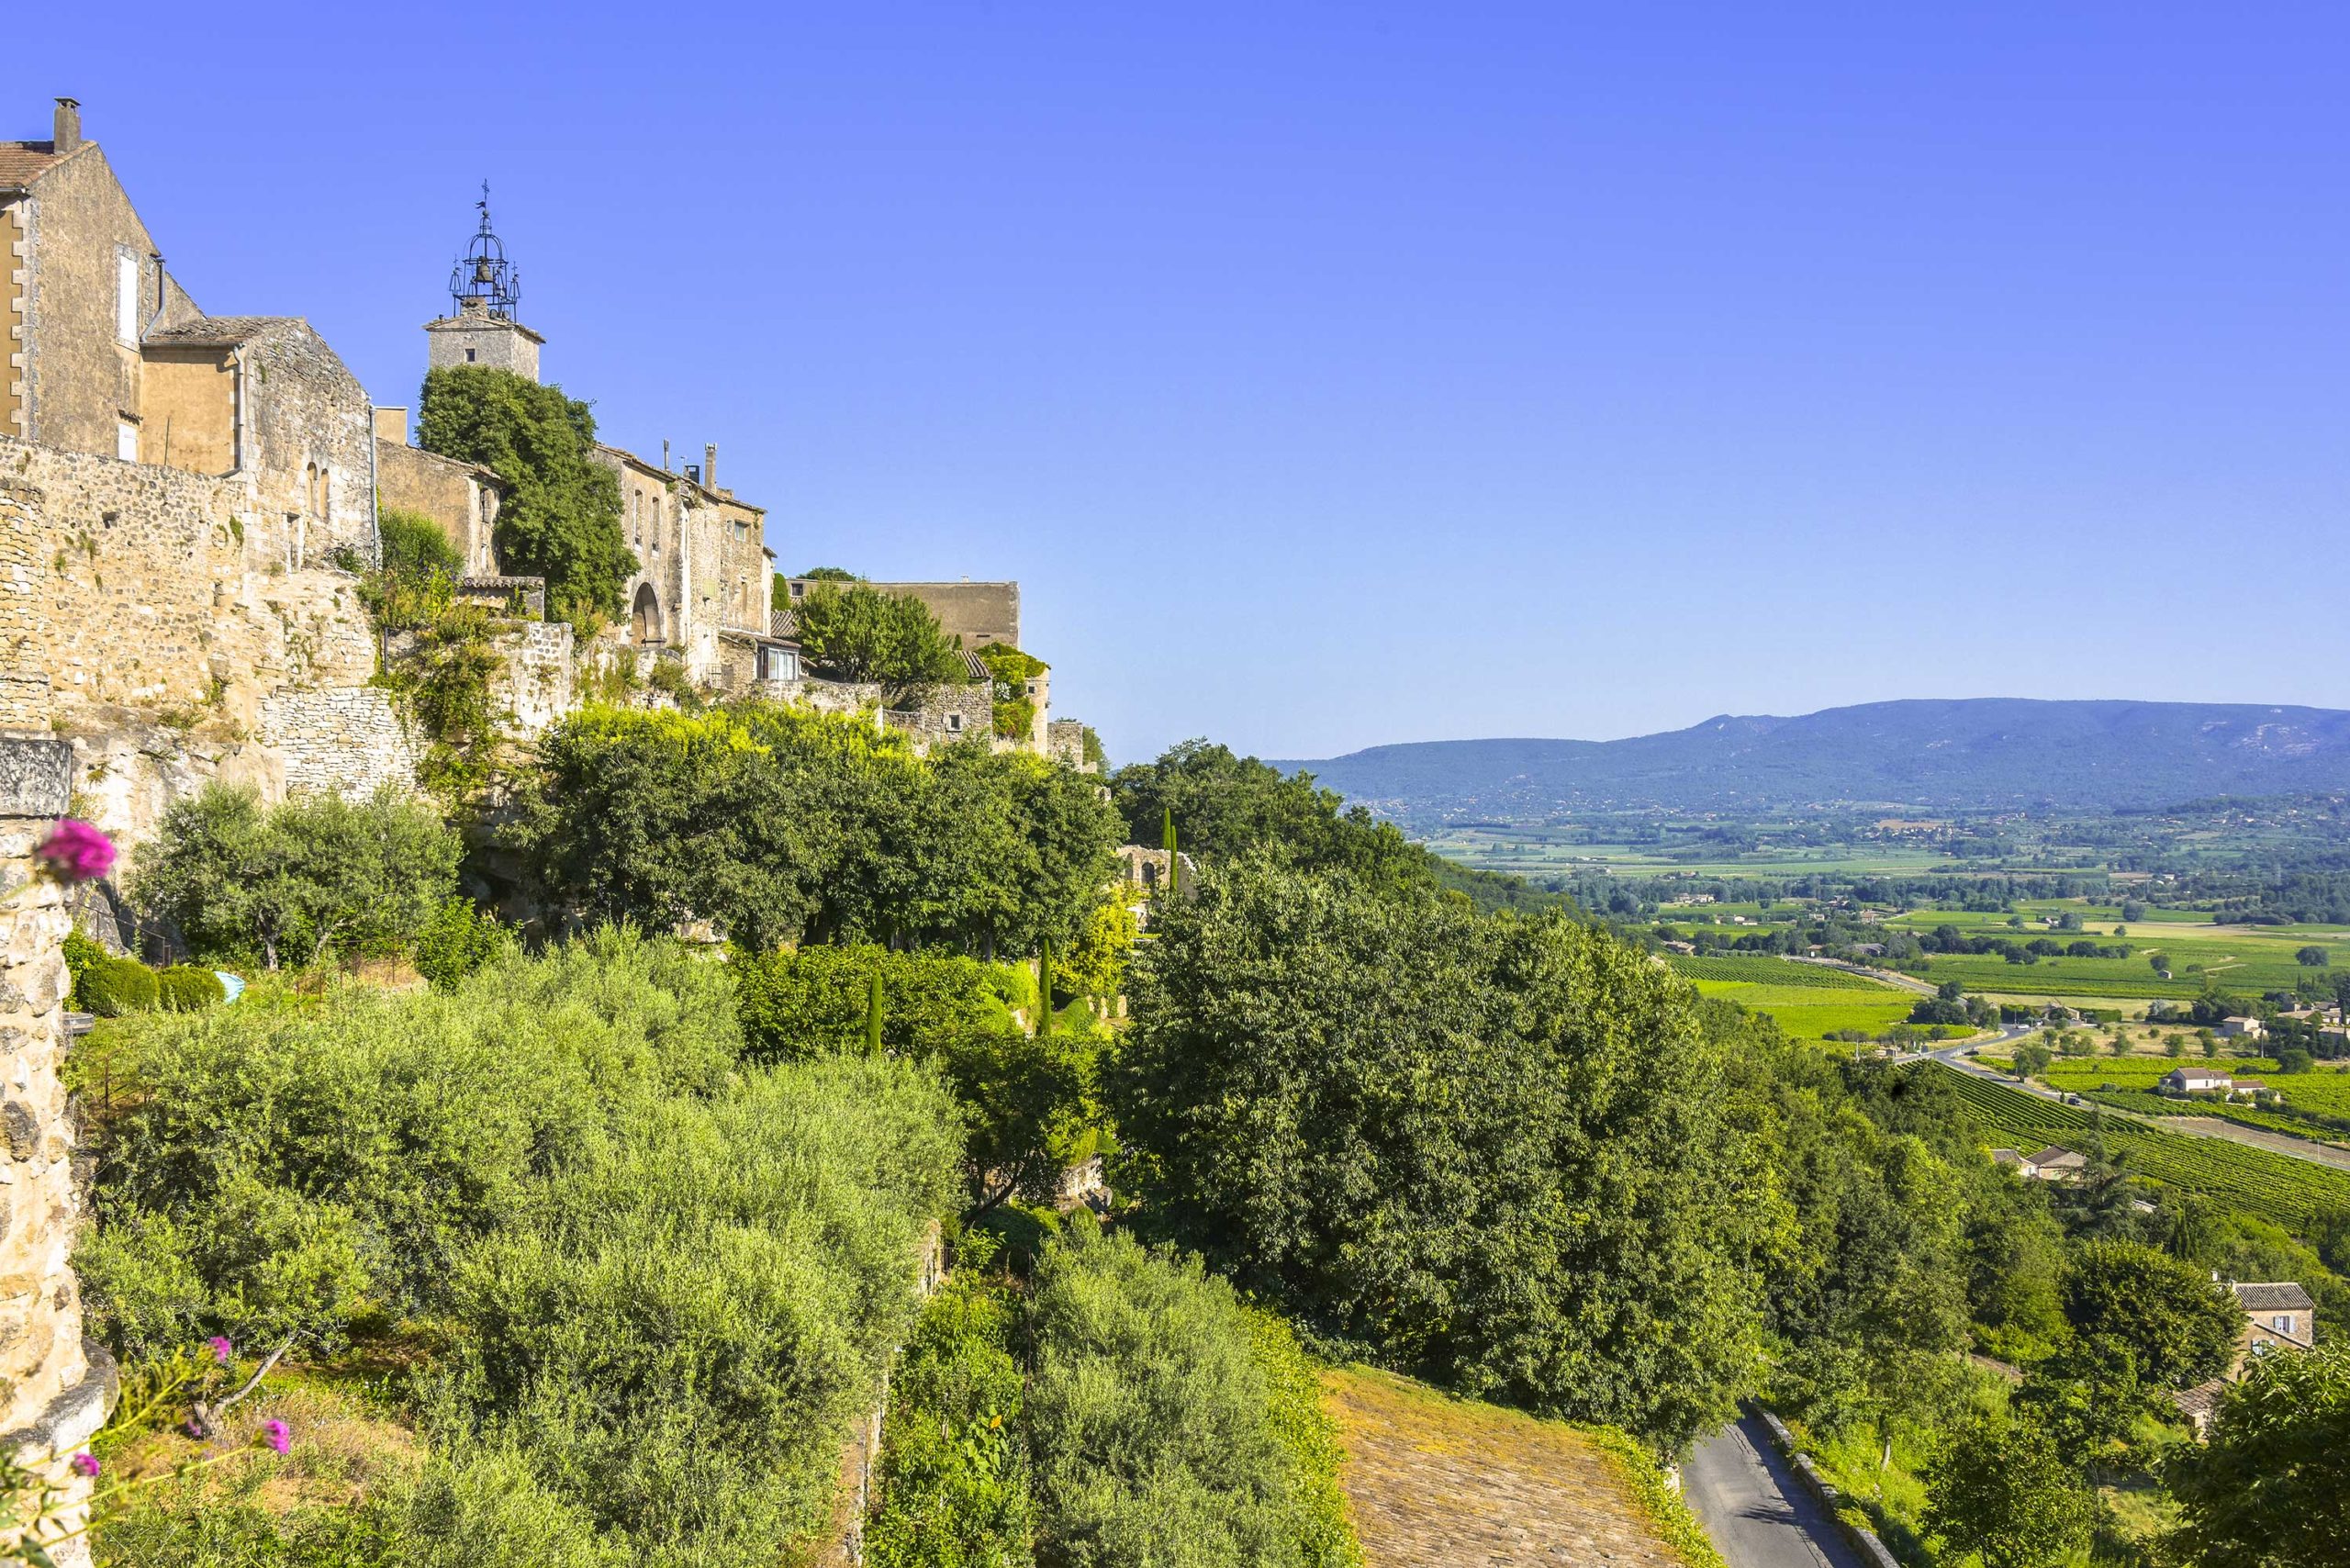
(55, 1387)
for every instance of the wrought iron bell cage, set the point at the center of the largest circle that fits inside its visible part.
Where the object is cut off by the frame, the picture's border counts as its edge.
(483, 273)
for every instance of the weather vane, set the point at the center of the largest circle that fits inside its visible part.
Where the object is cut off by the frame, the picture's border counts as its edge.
(483, 274)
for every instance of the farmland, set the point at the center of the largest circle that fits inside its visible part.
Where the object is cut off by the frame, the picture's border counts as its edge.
(2235, 958)
(1807, 1000)
(2317, 1105)
(2276, 1186)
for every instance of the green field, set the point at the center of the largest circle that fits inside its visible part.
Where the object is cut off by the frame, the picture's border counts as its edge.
(2245, 959)
(1762, 970)
(2317, 1103)
(1807, 1000)
(2274, 1185)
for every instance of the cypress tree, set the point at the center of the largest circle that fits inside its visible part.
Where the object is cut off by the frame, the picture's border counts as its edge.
(873, 1016)
(1045, 986)
(1174, 857)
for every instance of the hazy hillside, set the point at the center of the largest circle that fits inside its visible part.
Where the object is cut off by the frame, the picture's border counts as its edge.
(1978, 753)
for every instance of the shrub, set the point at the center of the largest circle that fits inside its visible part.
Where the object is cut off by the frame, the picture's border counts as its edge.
(111, 986)
(954, 1470)
(81, 956)
(288, 1167)
(415, 547)
(811, 1002)
(661, 1284)
(458, 940)
(676, 1330)
(1152, 1422)
(186, 988)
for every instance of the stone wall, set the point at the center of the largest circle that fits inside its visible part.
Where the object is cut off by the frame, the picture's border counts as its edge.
(129, 584)
(351, 740)
(308, 412)
(461, 496)
(1065, 744)
(55, 1389)
(129, 771)
(945, 715)
(537, 679)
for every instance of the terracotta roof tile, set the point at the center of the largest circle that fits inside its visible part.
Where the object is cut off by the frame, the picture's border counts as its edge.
(21, 162)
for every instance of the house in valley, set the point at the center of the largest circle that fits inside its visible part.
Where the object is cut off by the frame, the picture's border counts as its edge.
(2279, 1316)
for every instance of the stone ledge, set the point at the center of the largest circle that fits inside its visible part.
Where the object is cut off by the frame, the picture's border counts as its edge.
(1864, 1540)
(72, 1418)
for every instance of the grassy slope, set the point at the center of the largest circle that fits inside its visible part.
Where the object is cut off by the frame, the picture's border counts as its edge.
(1434, 1480)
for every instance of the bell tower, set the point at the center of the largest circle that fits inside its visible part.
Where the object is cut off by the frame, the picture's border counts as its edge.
(484, 288)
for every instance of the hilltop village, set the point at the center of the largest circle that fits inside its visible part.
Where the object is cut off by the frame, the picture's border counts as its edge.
(190, 504)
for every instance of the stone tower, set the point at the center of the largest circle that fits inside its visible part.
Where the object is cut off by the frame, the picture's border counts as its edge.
(485, 289)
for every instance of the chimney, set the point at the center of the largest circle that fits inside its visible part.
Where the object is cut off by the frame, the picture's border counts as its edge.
(710, 465)
(67, 134)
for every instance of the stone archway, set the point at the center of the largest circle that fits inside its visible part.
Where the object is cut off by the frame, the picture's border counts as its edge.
(645, 618)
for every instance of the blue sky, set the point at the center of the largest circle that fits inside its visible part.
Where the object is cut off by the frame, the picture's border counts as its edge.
(1338, 374)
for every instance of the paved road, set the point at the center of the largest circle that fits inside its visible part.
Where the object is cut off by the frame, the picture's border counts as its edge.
(1755, 1507)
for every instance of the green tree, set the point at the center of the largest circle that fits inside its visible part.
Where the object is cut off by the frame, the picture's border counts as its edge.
(2031, 1059)
(296, 882)
(2313, 957)
(2272, 1487)
(787, 825)
(2126, 1300)
(560, 518)
(855, 632)
(2000, 1490)
(1495, 1150)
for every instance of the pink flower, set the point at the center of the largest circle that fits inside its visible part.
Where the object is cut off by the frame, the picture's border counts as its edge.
(221, 1349)
(277, 1435)
(74, 852)
(87, 1463)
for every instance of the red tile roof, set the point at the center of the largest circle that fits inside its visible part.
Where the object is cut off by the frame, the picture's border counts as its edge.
(22, 163)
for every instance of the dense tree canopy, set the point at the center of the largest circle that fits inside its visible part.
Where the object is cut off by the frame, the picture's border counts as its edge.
(560, 518)
(785, 825)
(1493, 1151)
(293, 883)
(2002, 1492)
(2272, 1489)
(1028, 1098)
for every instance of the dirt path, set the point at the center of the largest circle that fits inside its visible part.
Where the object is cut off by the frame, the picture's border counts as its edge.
(1438, 1482)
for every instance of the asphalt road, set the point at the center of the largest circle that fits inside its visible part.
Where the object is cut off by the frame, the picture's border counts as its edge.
(1755, 1507)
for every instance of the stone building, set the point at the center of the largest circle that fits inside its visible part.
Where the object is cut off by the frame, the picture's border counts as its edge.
(703, 590)
(108, 356)
(701, 593)
(461, 496)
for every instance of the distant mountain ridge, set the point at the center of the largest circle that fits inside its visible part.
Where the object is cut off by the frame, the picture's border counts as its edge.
(1972, 754)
